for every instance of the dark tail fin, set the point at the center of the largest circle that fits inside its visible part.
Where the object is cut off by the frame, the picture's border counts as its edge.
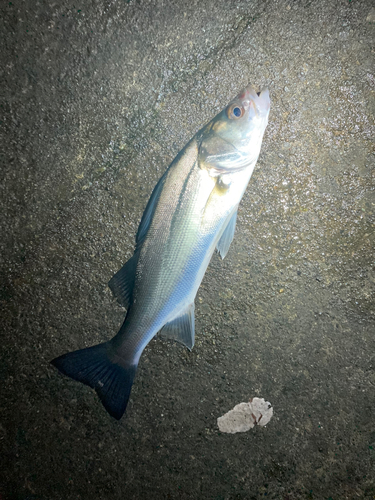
(95, 367)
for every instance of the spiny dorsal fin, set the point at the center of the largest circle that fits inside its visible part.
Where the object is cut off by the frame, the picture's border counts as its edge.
(122, 282)
(149, 211)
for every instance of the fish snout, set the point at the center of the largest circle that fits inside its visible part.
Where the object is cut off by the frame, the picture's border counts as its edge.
(260, 101)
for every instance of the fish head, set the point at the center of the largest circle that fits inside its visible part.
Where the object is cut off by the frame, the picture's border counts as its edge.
(232, 140)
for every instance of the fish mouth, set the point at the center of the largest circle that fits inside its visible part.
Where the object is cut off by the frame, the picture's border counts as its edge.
(260, 101)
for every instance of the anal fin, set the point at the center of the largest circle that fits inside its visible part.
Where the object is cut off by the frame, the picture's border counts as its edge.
(181, 328)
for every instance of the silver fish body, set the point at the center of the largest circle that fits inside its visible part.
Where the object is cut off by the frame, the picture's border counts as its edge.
(192, 211)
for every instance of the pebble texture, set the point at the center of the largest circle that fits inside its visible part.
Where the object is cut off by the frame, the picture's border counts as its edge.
(96, 100)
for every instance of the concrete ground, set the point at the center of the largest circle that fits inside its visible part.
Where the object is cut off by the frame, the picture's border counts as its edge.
(96, 100)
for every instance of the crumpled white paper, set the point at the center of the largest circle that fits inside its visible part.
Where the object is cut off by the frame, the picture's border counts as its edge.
(245, 416)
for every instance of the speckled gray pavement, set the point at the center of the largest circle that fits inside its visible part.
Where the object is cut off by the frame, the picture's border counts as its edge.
(96, 99)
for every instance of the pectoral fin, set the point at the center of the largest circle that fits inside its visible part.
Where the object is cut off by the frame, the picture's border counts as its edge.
(181, 328)
(227, 236)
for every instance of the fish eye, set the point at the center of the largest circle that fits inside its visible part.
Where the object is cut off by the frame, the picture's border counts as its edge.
(235, 111)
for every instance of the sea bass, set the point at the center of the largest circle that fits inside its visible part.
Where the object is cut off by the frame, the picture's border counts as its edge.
(192, 211)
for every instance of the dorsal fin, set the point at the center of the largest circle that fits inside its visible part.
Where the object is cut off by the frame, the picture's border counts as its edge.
(122, 282)
(149, 211)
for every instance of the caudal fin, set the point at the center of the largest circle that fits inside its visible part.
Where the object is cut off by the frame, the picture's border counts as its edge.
(95, 367)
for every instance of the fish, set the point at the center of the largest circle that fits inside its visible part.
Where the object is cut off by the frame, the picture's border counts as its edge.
(191, 212)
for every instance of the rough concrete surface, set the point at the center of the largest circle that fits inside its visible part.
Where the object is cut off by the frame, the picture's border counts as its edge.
(97, 97)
